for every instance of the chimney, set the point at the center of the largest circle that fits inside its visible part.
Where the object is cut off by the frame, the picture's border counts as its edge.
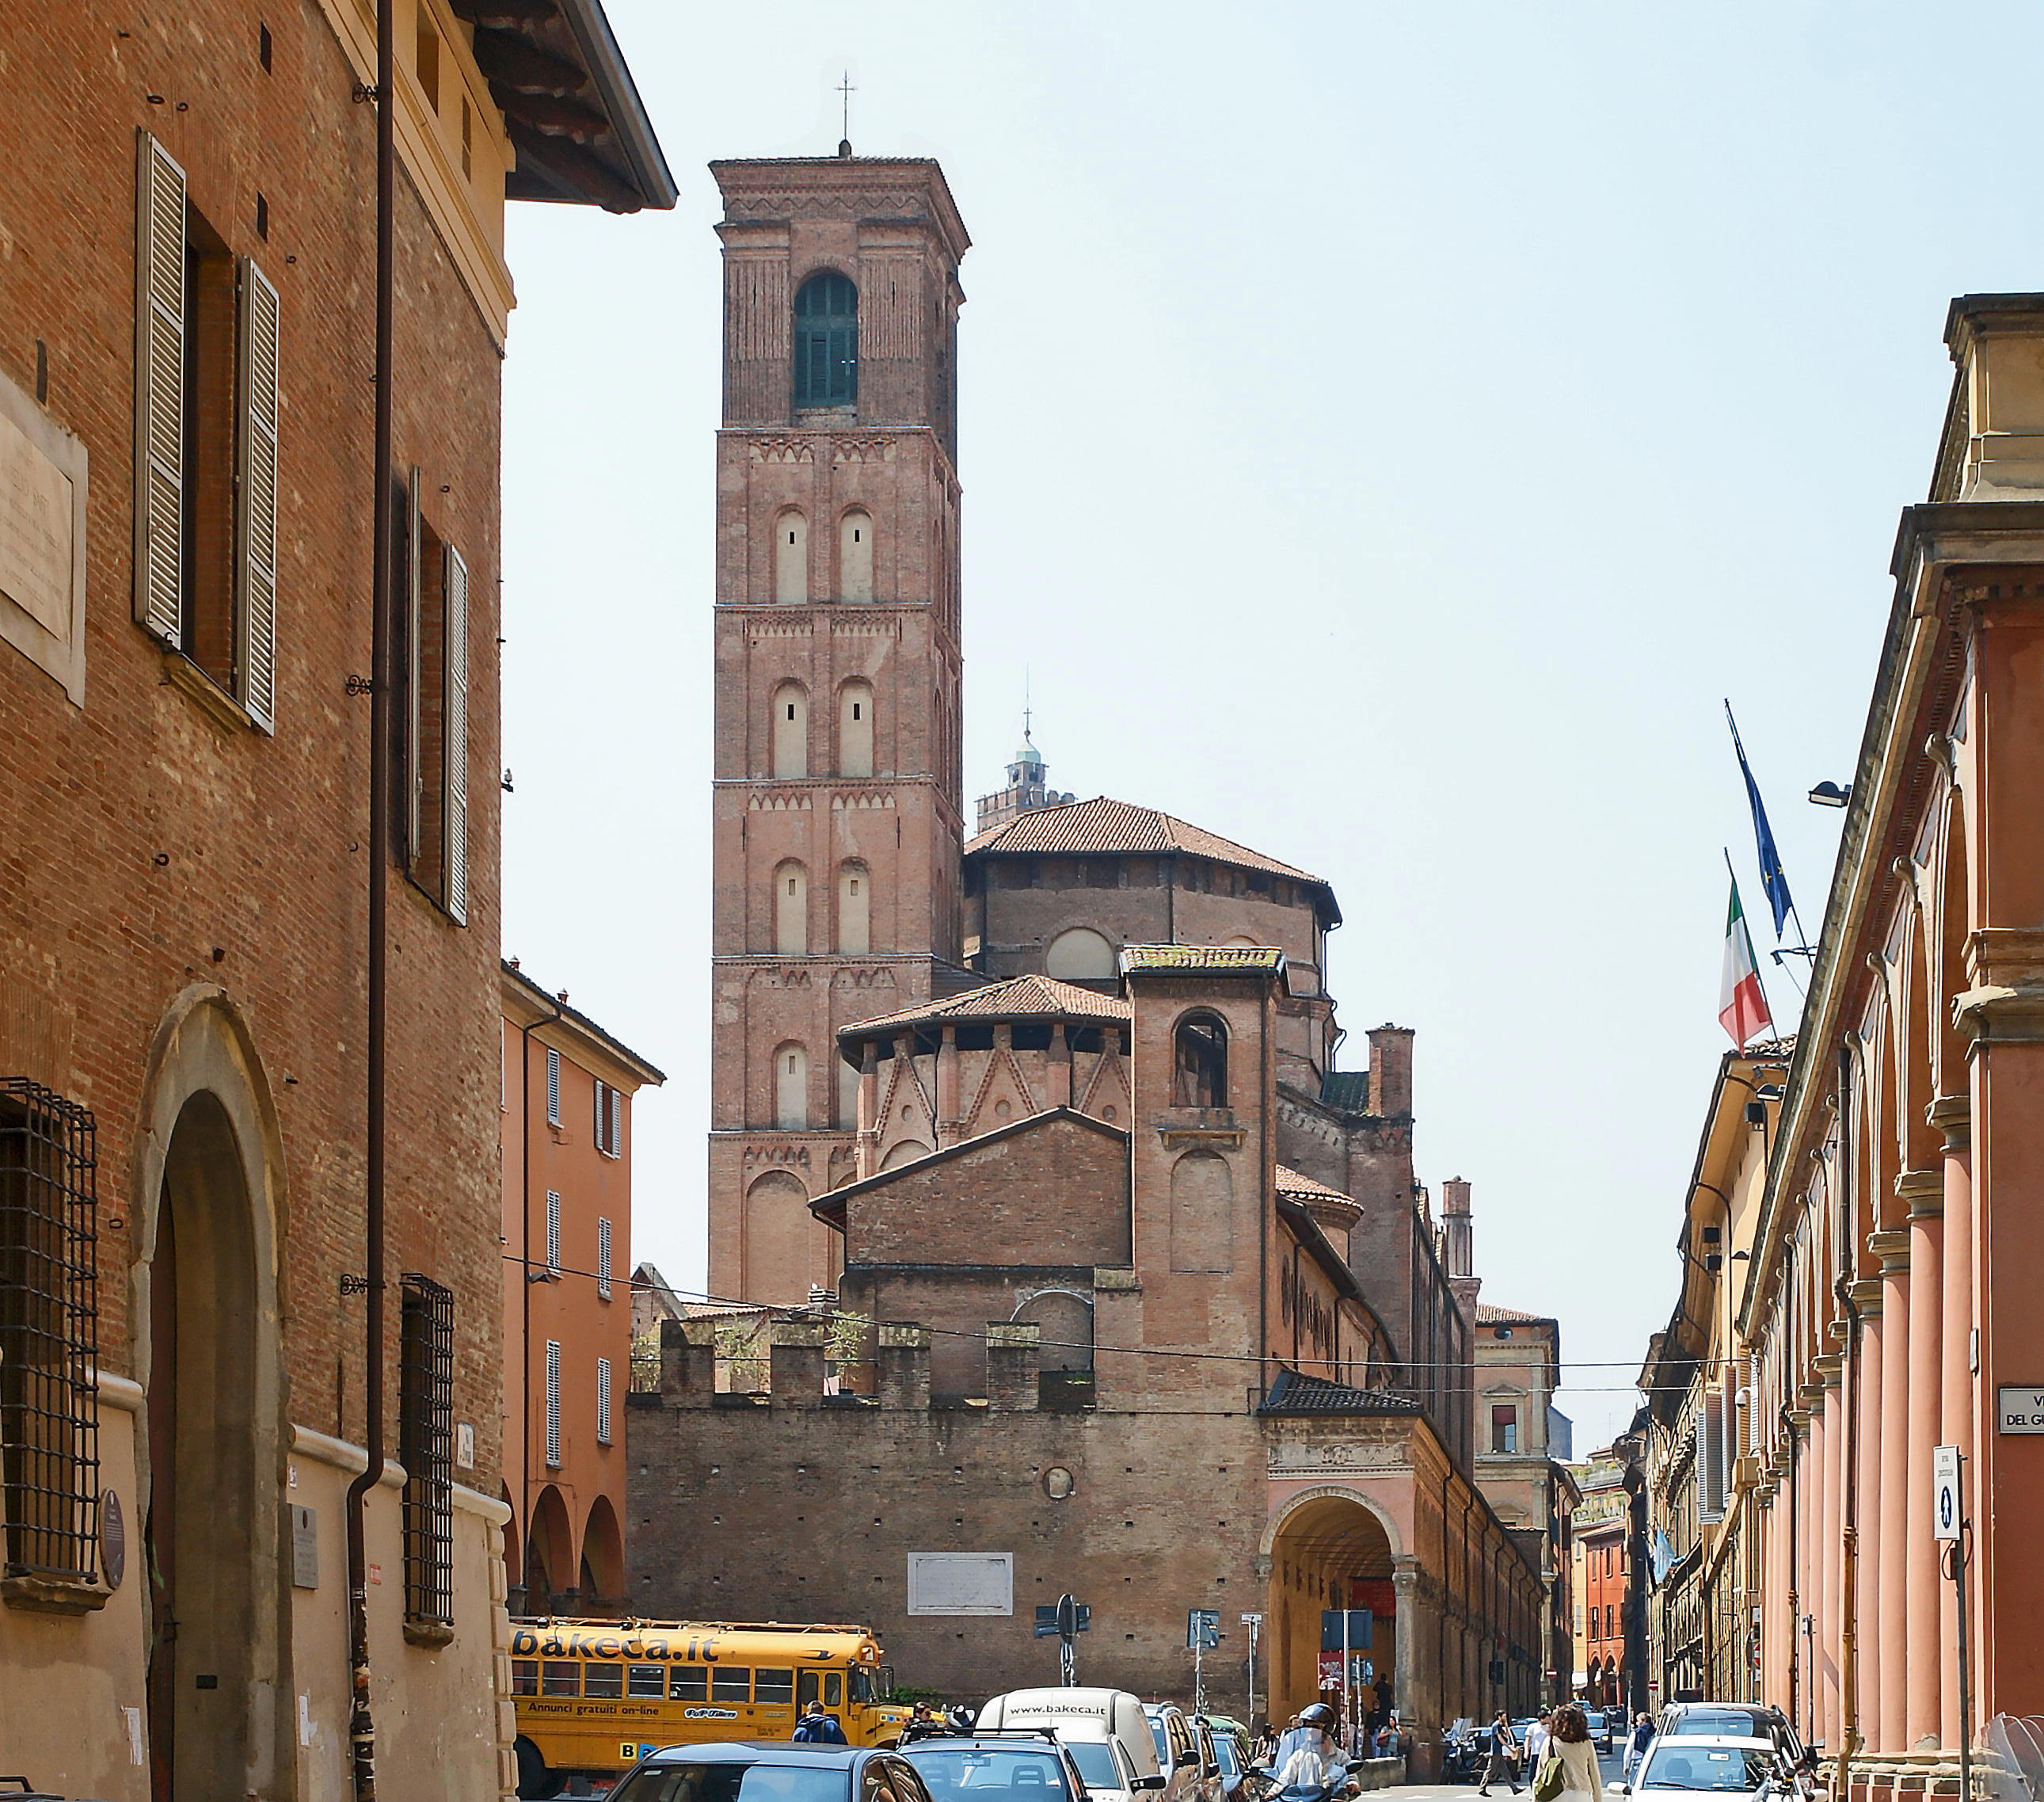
(1458, 1247)
(1390, 1071)
(1995, 449)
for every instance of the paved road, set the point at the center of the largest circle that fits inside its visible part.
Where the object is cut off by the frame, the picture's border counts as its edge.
(1612, 1766)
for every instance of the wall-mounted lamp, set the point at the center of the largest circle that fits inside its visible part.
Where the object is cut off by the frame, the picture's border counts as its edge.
(1829, 794)
(1756, 1113)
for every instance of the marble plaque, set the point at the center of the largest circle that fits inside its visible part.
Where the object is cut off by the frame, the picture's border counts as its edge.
(35, 515)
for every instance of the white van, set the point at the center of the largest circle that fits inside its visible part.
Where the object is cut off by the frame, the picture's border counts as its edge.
(1105, 1730)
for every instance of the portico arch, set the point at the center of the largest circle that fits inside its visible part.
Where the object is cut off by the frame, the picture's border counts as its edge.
(1319, 1546)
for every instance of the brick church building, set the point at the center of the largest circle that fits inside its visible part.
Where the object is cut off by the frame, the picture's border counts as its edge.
(1090, 1270)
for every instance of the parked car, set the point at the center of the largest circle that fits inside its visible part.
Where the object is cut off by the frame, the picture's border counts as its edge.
(1233, 1765)
(1753, 1720)
(1600, 1727)
(1190, 1772)
(1712, 1764)
(773, 1771)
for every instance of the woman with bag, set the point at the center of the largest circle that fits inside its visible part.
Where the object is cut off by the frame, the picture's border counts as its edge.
(1571, 1763)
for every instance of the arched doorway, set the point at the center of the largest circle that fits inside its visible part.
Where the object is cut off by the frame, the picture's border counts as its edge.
(207, 1516)
(1330, 1550)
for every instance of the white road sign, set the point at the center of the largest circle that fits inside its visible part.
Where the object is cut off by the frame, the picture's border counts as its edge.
(1944, 1512)
(2020, 1410)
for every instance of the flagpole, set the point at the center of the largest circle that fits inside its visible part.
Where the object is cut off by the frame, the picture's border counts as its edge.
(1733, 874)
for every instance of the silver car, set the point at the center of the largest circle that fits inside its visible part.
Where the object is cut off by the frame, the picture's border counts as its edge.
(1712, 1764)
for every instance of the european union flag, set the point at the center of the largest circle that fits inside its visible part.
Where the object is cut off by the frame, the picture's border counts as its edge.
(1772, 879)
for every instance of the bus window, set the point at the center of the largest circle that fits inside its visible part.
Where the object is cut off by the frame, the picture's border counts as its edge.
(646, 1681)
(772, 1685)
(862, 1686)
(833, 1688)
(524, 1676)
(691, 1683)
(560, 1680)
(824, 1686)
(605, 1682)
(809, 1688)
(730, 1683)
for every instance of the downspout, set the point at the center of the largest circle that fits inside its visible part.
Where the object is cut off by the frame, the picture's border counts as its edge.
(1848, 1400)
(1263, 1231)
(362, 1724)
(525, 1289)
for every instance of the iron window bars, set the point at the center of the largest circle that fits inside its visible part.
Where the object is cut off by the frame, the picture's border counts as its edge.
(425, 1438)
(49, 1335)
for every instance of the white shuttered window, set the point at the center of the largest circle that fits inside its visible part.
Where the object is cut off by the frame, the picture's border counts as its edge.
(603, 1260)
(603, 1401)
(553, 1405)
(255, 502)
(553, 1232)
(159, 378)
(553, 1088)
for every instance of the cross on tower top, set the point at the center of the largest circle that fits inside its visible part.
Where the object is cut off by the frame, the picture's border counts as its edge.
(846, 91)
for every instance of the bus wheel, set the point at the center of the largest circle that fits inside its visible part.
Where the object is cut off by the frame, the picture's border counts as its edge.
(534, 1779)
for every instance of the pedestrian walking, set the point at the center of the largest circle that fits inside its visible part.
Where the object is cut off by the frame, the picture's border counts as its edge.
(1636, 1743)
(1538, 1736)
(1503, 1759)
(816, 1728)
(1576, 1754)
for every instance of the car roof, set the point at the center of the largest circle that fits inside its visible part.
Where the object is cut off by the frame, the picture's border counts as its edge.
(786, 1752)
(1703, 1742)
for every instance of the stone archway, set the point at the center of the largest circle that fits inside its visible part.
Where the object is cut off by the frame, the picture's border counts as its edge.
(602, 1557)
(551, 1563)
(1330, 1547)
(208, 1194)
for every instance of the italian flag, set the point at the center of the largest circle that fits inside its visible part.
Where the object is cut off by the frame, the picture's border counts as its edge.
(1742, 1007)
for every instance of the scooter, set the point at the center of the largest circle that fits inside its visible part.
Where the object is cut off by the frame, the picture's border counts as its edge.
(1333, 1791)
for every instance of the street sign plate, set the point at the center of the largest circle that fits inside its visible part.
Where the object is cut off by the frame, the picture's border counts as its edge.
(2019, 1409)
(1945, 1502)
(1252, 1620)
(1202, 1627)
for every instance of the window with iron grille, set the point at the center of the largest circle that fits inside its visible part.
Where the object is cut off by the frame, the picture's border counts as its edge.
(603, 1260)
(553, 1405)
(603, 1401)
(553, 1233)
(553, 1088)
(49, 1339)
(425, 1438)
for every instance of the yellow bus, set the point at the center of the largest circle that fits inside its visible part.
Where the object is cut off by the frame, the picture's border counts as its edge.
(592, 1696)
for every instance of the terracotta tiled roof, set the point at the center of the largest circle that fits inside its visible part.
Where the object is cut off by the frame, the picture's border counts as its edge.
(1202, 957)
(1292, 1182)
(1102, 824)
(1487, 1312)
(1020, 997)
(1294, 1394)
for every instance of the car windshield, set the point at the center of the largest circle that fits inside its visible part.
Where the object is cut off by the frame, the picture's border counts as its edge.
(1707, 1767)
(1224, 1755)
(1163, 1744)
(1008, 1772)
(734, 1783)
(1095, 1759)
(1736, 1722)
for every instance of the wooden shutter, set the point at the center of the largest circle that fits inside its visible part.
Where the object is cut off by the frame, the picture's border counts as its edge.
(414, 778)
(603, 1401)
(553, 1405)
(553, 1229)
(602, 1260)
(255, 501)
(553, 1087)
(160, 393)
(455, 775)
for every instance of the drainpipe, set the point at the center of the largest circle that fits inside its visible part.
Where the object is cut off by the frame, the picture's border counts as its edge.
(1848, 1402)
(362, 1725)
(525, 1291)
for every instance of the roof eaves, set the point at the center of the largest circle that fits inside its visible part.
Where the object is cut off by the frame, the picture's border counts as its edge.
(543, 1008)
(829, 1206)
(629, 120)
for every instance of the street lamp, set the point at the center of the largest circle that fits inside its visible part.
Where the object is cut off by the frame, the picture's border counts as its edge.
(1829, 794)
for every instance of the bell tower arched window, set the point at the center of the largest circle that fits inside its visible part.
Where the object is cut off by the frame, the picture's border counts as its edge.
(827, 341)
(1199, 1074)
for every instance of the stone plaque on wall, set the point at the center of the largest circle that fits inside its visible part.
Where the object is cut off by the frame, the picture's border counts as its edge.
(975, 1583)
(305, 1548)
(42, 540)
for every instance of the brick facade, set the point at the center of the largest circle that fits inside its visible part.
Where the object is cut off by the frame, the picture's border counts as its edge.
(183, 899)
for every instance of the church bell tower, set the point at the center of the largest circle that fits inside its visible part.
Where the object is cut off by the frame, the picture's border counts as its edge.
(837, 796)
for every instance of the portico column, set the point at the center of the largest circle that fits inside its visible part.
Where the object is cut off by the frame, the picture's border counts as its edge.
(1889, 1539)
(1869, 1383)
(1923, 1192)
(1404, 1679)
(1953, 1115)
(1830, 1517)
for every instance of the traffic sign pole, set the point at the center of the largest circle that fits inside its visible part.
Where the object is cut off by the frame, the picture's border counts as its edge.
(1253, 1622)
(1950, 1524)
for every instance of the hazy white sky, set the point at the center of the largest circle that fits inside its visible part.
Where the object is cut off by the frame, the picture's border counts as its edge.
(1387, 432)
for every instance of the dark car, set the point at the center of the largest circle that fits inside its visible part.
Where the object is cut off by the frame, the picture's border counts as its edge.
(1021, 1764)
(771, 1770)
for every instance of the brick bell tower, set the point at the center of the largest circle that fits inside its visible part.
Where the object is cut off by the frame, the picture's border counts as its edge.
(837, 801)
